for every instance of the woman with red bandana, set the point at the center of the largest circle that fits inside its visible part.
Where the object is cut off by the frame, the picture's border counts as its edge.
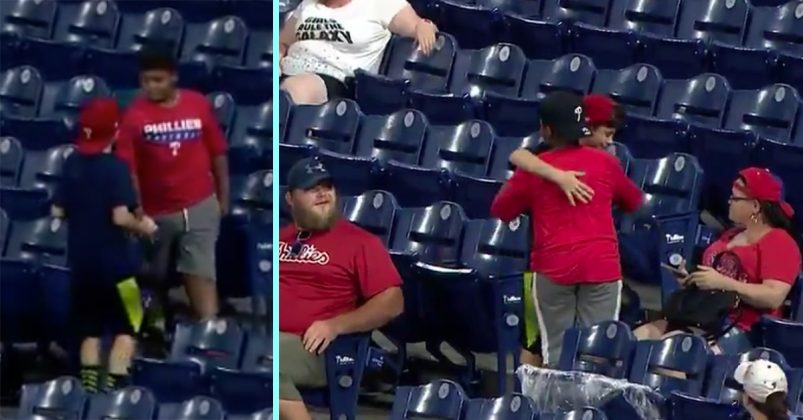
(758, 259)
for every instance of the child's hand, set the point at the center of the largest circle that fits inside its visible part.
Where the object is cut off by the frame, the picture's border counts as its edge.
(569, 182)
(149, 227)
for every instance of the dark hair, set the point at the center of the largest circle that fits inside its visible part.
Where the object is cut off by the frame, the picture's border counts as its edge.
(776, 407)
(775, 217)
(156, 58)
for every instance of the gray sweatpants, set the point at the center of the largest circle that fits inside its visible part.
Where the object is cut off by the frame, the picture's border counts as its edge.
(562, 307)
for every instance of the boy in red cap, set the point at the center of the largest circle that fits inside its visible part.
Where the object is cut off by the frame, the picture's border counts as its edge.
(97, 196)
(603, 117)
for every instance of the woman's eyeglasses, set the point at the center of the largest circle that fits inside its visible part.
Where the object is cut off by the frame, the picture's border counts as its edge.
(296, 247)
(733, 199)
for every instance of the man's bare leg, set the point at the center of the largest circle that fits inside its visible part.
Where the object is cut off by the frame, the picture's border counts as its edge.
(293, 410)
(202, 293)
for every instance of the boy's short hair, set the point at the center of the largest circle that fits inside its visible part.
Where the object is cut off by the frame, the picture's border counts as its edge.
(156, 58)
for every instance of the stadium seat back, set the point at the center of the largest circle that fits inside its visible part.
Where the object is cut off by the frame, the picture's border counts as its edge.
(432, 233)
(770, 112)
(636, 87)
(500, 168)
(373, 211)
(64, 99)
(784, 336)
(586, 413)
(777, 28)
(592, 12)
(399, 136)
(474, 26)
(464, 148)
(252, 145)
(656, 17)
(652, 138)
(62, 397)
(700, 100)
(285, 107)
(672, 185)
(253, 197)
(21, 92)
(162, 27)
(684, 354)
(43, 169)
(508, 407)
(331, 126)
(714, 20)
(720, 385)
(222, 41)
(572, 72)
(605, 348)
(128, 403)
(687, 407)
(538, 39)
(91, 23)
(257, 357)
(43, 239)
(197, 408)
(525, 8)
(442, 399)
(30, 18)
(622, 153)
(494, 248)
(498, 69)
(5, 226)
(225, 109)
(11, 158)
(426, 72)
(214, 342)
(260, 50)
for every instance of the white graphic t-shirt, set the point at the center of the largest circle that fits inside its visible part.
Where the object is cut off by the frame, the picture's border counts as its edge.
(337, 41)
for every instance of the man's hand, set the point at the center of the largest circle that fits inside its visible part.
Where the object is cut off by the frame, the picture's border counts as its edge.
(319, 335)
(224, 208)
(574, 188)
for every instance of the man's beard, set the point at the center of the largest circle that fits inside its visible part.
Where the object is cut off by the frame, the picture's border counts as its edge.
(309, 220)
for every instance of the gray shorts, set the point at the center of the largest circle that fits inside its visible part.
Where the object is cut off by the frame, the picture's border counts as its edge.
(562, 307)
(186, 239)
(298, 368)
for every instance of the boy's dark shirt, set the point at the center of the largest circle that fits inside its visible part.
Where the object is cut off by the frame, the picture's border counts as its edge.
(91, 187)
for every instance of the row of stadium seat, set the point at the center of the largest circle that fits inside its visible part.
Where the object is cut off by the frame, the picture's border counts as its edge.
(751, 45)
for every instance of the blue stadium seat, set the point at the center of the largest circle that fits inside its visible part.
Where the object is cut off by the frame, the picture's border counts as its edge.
(592, 12)
(129, 403)
(785, 161)
(373, 211)
(55, 281)
(11, 158)
(62, 397)
(700, 23)
(399, 136)
(29, 18)
(655, 17)
(790, 71)
(201, 12)
(508, 407)
(622, 153)
(474, 26)
(771, 30)
(251, 142)
(250, 388)
(784, 336)
(197, 408)
(572, 72)
(41, 172)
(525, 8)
(500, 168)
(604, 348)
(463, 149)
(587, 413)
(701, 100)
(89, 23)
(221, 41)
(537, 38)
(248, 85)
(426, 72)
(260, 49)
(666, 223)
(440, 399)
(769, 112)
(636, 87)
(64, 99)
(225, 109)
(685, 354)
(197, 348)
(720, 385)
(378, 94)
(498, 68)
(609, 48)
(43, 241)
(21, 92)
(444, 108)
(284, 209)
(253, 11)
(162, 27)
(285, 107)
(252, 198)
(332, 126)
(5, 226)
(511, 116)
(689, 407)
(652, 138)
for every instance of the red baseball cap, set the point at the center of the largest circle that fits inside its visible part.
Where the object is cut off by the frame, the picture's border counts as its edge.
(761, 184)
(598, 109)
(97, 125)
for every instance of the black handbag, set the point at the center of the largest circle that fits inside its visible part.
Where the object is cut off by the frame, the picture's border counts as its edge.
(706, 309)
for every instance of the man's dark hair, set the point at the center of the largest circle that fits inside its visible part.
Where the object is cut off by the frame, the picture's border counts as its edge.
(618, 119)
(156, 58)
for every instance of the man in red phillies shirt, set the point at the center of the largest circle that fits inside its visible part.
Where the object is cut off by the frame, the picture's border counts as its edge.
(177, 153)
(575, 255)
(334, 278)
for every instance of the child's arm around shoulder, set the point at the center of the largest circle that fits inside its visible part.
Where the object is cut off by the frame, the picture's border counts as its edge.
(568, 181)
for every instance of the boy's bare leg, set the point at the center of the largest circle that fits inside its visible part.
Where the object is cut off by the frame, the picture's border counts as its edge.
(90, 363)
(120, 361)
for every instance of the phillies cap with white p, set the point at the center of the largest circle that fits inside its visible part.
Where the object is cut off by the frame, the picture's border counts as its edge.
(760, 379)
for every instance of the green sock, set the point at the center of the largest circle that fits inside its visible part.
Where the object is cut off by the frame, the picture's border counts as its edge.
(89, 378)
(115, 382)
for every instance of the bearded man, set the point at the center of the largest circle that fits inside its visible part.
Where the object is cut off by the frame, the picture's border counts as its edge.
(334, 278)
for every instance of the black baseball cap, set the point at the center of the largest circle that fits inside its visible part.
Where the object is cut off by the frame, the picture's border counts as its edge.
(563, 112)
(307, 173)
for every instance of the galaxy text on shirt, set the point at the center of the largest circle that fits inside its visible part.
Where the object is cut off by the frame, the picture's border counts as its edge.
(321, 29)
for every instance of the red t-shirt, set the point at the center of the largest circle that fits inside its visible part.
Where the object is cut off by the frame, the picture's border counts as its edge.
(775, 256)
(572, 244)
(171, 151)
(336, 271)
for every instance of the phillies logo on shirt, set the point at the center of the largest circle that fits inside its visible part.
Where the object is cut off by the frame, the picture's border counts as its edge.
(308, 254)
(173, 133)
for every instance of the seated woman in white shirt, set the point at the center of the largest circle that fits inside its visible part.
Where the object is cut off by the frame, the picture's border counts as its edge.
(324, 41)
